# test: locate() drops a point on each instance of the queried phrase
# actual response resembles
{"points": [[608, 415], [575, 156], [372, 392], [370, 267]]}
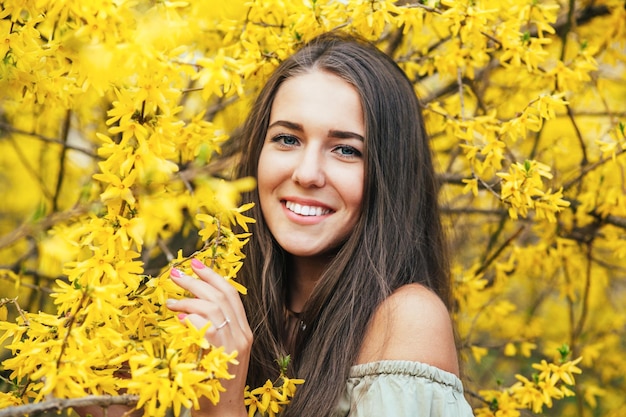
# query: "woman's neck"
{"points": [[304, 273]]}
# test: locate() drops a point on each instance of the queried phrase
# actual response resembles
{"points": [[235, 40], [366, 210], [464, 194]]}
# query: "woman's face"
{"points": [[311, 167]]}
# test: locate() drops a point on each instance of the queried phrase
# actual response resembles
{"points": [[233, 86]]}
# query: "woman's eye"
{"points": [[286, 140], [347, 151]]}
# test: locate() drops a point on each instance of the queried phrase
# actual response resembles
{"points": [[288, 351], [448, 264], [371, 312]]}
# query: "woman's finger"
{"points": [[217, 281], [213, 278], [223, 331], [231, 306], [219, 315], [211, 303], [203, 308], [218, 333], [199, 288]]}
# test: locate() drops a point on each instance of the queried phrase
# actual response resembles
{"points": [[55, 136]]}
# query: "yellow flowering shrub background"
{"points": [[113, 116]]}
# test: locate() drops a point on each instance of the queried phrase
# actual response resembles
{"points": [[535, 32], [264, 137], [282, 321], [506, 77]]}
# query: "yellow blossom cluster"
{"points": [[111, 331], [114, 120], [549, 384], [522, 187], [269, 399]]}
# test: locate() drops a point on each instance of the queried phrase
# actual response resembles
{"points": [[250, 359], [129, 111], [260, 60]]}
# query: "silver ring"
{"points": [[223, 324]]}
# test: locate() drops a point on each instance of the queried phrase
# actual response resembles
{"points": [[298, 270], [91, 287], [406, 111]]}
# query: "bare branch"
{"points": [[29, 229], [423, 6], [11, 129], [472, 210], [32, 171], [28, 272], [497, 253], [590, 167], [567, 26], [61, 174], [60, 404], [579, 136], [21, 312], [163, 246]]}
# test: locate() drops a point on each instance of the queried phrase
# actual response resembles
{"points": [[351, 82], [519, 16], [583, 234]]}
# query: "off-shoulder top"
{"points": [[396, 388]]}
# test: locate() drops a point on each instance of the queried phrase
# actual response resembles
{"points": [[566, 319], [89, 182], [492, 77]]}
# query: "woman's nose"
{"points": [[309, 169]]}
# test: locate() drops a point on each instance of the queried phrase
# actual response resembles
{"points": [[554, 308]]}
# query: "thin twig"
{"points": [[24, 160], [69, 324], [221, 104], [459, 80], [423, 6], [578, 329], [473, 210], [21, 312], [458, 180], [588, 168], [497, 253], [579, 135], [32, 286], [10, 129], [30, 229], [567, 27], [163, 246], [490, 37], [61, 175], [218, 238]]}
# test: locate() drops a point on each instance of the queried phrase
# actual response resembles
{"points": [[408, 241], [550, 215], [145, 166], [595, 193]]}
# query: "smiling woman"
{"points": [[347, 268]]}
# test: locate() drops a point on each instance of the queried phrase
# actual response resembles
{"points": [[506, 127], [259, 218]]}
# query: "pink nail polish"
{"points": [[181, 316], [175, 273], [197, 264]]}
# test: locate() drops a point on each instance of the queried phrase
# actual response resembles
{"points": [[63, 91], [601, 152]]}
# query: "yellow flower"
{"points": [[565, 372], [289, 386], [117, 188], [528, 394], [253, 403], [270, 397]]}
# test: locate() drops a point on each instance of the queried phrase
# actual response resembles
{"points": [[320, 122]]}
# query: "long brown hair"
{"points": [[398, 238]]}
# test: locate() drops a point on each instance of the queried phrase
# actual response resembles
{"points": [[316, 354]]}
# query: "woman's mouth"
{"points": [[304, 210]]}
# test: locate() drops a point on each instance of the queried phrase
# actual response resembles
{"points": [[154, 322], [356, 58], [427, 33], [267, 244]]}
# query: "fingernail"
{"points": [[170, 302], [197, 264], [181, 316], [176, 273]]}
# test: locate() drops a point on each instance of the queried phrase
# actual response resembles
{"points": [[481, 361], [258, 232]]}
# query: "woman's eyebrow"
{"points": [[342, 134], [288, 125]]}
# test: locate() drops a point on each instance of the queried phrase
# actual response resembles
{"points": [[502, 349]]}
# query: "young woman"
{"points": [[347, 268]]}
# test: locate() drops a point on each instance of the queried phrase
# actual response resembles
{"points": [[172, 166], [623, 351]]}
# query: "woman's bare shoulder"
{"points": [[411, 324]]}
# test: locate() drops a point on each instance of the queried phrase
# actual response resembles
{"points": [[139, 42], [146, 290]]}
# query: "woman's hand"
{"points": [[218, 302]]}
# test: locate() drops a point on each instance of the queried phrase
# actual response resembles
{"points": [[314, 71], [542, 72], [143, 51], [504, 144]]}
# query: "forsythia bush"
{"points": [[113, 116]]}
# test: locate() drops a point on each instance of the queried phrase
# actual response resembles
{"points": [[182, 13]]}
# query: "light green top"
{"points": [[402, 389]]}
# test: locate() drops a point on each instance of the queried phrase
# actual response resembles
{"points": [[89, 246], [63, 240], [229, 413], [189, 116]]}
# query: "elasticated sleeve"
{"points": [[402, 389]]}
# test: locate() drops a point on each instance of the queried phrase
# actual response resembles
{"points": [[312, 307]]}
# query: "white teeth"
{"points": [[306, 210]]}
